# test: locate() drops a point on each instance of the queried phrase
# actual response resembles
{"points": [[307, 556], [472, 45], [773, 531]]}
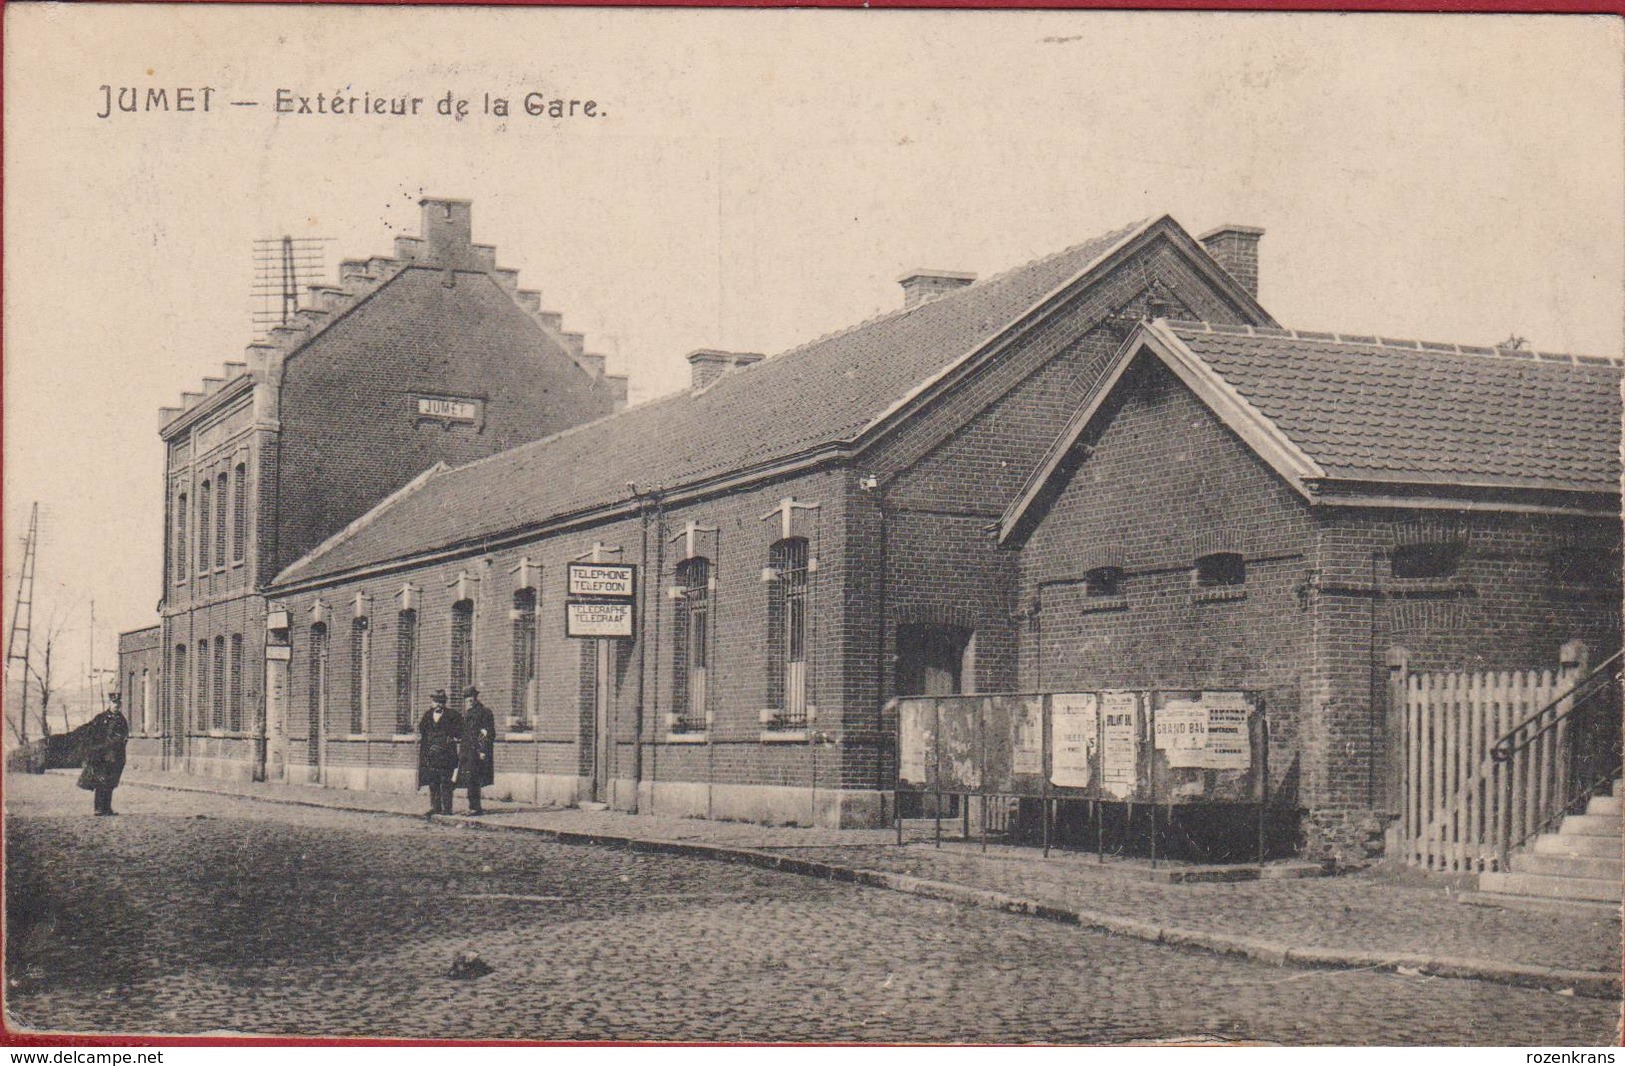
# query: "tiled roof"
{"points": [[820, 393], [1375, 409]]}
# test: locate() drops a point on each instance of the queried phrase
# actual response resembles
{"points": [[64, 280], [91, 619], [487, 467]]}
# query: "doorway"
{"points": [[935, 660]]}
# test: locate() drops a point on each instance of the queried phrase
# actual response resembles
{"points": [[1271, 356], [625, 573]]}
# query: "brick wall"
{"points": [[350, 431], [1164, 482]]}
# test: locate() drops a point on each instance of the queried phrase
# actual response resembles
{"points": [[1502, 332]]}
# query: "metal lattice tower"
{"points": [[282, 267], [22, 614]]}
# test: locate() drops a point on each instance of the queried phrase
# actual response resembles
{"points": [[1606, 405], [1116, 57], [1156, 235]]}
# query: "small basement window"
{"points": [[1221, 570], [1103, 581], [1425, 560]]}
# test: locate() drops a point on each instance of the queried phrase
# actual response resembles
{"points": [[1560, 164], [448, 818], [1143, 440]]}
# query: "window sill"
{"points": [[517, 736], [1428, 586], [1096, 604], [688, 738], [1224, 594], [784, 736]]}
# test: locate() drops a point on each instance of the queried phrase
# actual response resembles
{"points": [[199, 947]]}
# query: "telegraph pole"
{"points": [[22, 616]]}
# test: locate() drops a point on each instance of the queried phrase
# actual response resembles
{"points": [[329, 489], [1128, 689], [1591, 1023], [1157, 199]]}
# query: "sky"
{"points": [[751, 180]]}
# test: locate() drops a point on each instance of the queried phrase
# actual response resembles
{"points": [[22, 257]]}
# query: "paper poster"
{"points": [[1181, 733], [1027, 753], [916, 720], [1120, 749], [1074, 727], [1227, 741]]}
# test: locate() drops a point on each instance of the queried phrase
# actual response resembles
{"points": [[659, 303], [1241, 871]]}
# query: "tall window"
{"points": [[203, 494], [787, 632], [462, 647], [360, 673], [178, 689], [201, 708], [217, 717], [239, 514], [524, 657], [181, 556], [318, 680], [691, 648], [406, 669], [220, 522], [235, 723], [132, 711]]}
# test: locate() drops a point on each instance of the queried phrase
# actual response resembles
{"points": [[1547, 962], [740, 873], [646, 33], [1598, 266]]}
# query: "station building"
{"points": [[1109, 467], [432, 356]]}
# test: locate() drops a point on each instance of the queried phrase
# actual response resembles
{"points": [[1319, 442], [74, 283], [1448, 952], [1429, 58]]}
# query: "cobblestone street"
{"points": [[193, 913]]}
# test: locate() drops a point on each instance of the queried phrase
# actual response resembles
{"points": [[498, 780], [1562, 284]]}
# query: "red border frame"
{"points": [[11, 1038]]}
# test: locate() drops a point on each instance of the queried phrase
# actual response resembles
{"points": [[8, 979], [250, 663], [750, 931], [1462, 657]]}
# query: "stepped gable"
{"points": [[444, 245], [821, 393], [1375, 409]]}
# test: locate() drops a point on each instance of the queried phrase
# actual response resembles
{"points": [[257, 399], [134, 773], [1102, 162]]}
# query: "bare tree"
{"points": [[55, 625]]}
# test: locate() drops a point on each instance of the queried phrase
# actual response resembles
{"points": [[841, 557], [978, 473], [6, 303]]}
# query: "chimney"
{"points": [[448, 232], [709, 364], [1236, 249], [922, 285]]}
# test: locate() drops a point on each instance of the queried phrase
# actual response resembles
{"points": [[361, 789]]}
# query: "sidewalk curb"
{"points": [[1595, 984]]}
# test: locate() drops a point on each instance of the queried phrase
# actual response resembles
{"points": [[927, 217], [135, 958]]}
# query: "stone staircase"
{"points": [[1578, 864]]}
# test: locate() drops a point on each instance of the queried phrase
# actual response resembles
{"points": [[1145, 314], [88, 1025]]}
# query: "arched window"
{"points": [[692, 645], [360, 671], [406, 669], [220, 521], [217, 717], [203, 518], [1103, 581], [235, 722], [524, 658], [787, 632], [318, 680], [462, 648], [181, 556], [239, 514]]}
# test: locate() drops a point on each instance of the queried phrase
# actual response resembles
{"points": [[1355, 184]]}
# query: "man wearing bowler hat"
{"points": [[439, 730], [475, 768]]}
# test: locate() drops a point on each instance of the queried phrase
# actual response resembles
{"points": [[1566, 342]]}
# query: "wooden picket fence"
{"points": [[1459, 803]]}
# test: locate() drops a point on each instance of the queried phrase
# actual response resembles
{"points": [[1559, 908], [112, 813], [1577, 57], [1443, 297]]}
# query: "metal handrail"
{"points": [[1509, 743]]}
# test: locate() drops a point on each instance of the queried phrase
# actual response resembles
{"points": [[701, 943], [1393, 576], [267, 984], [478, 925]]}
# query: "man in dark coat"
{"points": [[439, 730], [475, 766], [109, 732]]}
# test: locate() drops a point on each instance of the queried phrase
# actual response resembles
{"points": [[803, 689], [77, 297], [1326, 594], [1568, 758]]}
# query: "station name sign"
{"points": [[449, 409], [600, 600]]}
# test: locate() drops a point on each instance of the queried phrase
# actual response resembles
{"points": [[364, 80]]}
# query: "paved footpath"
{"points": [[200, 913], [1376, 920]]}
